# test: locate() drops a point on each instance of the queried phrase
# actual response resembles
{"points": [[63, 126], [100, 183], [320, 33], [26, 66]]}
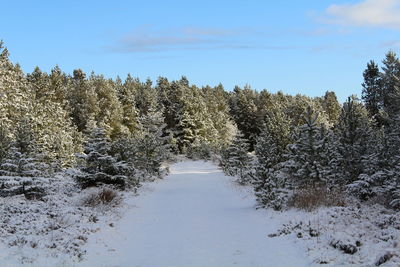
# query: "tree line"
{"points": [[119, 131]]}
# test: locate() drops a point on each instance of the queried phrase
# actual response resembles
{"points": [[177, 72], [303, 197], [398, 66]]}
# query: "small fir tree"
{"points": [[236, 161], [100, 167]]}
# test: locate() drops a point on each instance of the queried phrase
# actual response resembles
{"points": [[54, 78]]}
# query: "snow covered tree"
{"points": [[100, 167], [244, 111], [127, 99], [222, 128], [236, 161], [375, 162], [269, 185], [352, 135], [82, 101], [57, 137], [22, 165], [391, 84], [372, 90], [5, 142], [150, 147], [307, 157], [109, 113], [331, 107], [145, 96]]}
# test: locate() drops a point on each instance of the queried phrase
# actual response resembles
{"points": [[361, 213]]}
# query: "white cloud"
{"points": [[370, 13]]}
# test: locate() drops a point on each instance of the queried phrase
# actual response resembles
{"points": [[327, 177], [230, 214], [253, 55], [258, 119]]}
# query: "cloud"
{"points": [[367, 13], [150, 39]]}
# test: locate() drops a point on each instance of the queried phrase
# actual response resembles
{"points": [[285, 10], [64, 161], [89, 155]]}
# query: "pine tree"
{"points": [[146, 97], [391, 84], [127, 100], [372, 90], [236, 161], [82, 101], [307, 156], [150, 147], [222, 128], [375, 162], [100, 167], [331, 107], [352, 135], [5, 142], [109, 114], [269, 186], [24, 162], [243, 107]]}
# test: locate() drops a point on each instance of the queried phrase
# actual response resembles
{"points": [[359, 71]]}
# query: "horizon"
{"points": [[324, 46]]}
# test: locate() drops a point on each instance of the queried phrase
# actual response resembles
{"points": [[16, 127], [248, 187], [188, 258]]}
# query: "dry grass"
{"points": [[311, 198], [104, 196]]}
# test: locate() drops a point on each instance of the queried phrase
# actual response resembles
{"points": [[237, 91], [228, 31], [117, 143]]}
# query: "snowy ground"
{"points": [[51, 231], [357, 235], [196, 216]]}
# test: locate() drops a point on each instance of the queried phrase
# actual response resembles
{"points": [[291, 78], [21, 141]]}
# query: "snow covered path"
{"points": [[194, 217]]}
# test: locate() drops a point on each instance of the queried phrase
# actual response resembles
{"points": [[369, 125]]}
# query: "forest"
{"points": [[120, 131]]}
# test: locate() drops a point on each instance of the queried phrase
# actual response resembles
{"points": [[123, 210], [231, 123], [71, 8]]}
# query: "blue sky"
{"points": [[303, 47]]}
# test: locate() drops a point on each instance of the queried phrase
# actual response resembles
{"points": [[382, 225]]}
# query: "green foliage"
{"points": [[352, 133], [236, 161], [150, 148], [307, 160], [100, 166], [5, 142], [372, 89]]}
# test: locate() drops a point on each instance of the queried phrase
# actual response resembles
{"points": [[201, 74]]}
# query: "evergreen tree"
{"points": [[222, 128], [100, 167], [82, 101], [127, 100], [372, 89], [58, 85], [150, 148], [25, 162], [5, 142], [269, 186], [146, 97], [352, 135], [331, 107], [307, 159], [243, 107], [109, 113], [236, 161], [391, 84]]}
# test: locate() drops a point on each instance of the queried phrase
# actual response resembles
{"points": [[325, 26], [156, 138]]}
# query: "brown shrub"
{"points": [[103, 196], [311, 198], [107, 195]]}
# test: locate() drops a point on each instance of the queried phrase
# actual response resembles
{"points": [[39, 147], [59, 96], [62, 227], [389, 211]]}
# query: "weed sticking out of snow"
{"points": [[56, 225]]}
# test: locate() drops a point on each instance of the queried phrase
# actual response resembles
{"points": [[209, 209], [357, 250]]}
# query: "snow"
{"points": [[53, 230], [373, 230], [197, 216]]}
